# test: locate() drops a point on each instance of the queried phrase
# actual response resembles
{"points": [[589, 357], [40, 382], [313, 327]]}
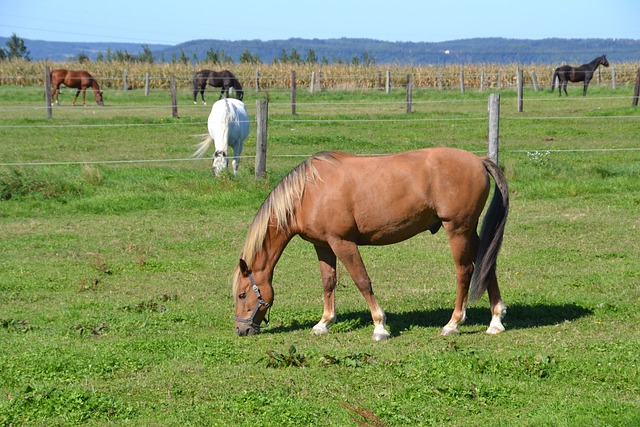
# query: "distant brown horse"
{"points": [[583, 73], [338, 201], [80, 80]]}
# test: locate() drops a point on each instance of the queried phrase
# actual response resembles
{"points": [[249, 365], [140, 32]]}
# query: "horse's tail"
{"points": [[203, 146], [491, 233], [225, 123], [553, 80]]}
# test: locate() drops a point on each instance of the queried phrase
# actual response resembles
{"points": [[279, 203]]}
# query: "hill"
{"points": [[478, 50]]}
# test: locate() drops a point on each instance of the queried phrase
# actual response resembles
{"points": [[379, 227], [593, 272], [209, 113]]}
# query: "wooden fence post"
{"points": [[257, 80], [636, 90], [319, 82], [534, 79], [613, 78], [387, 85], [439, 78], [409, 92], [47, 91], [174, 98], [379, 80], [125, 84], [461, 81], [262, 115], [293, 92], [146, 84], [494, 126], [481, 79], [520, 85], [313, 81]]}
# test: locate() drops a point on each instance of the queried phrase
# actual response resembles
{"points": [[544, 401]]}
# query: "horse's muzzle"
{"points": [[246, 329]]}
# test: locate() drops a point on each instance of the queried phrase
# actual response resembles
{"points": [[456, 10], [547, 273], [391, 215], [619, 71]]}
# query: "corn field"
{"points": [[112, 75]]}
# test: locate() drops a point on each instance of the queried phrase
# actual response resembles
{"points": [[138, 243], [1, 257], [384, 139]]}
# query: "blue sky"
{"points": [[391, 20]]}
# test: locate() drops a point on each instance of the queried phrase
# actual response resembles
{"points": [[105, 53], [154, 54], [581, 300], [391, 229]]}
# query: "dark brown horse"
{"points": [[223, 79], [583, 73], [338, 201], [80, 80]]}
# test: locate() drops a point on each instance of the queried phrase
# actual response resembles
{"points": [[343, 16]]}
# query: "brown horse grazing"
{"points": [[337, 201], [80, 80], [583, 73], [223, 79]]}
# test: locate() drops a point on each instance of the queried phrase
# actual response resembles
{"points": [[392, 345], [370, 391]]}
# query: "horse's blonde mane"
{"points": [[279, 207]]}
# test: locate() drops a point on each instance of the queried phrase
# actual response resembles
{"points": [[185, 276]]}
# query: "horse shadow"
{"points": [[519, 316]]}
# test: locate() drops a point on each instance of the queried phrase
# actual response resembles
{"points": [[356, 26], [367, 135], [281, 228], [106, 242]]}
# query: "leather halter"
{"points": [[260, 302]]}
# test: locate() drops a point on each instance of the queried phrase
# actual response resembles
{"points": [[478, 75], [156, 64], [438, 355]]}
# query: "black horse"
{"points": [[223, 79], [567, 73]]}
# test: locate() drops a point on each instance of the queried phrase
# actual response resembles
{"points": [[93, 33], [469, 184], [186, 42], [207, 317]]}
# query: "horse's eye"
{"points": [[242, 295]]}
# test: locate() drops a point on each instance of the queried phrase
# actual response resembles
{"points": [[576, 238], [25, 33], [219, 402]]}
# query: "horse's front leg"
{"points": [[75, 97], [54, 95], [235, 163], [349, 255], [329, 279], [586, 84]]}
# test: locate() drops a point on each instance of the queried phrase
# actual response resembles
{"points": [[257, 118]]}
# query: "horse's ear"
{"points": [[244, 268]]}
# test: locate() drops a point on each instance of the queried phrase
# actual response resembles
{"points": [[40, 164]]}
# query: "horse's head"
{"points": [[220, 162], [99, 97], [603, 60], [254, 296]]}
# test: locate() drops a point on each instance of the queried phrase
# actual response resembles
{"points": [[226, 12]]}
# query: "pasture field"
{"points": [[117, 251]]}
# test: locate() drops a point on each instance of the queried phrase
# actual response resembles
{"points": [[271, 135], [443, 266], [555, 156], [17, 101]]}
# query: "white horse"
{"points": [[228, 124]]}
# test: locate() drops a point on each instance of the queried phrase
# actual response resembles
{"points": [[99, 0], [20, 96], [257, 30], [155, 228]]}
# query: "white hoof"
{"points": [[495, 329], [319, 330], [449, 330], [380, 334]]}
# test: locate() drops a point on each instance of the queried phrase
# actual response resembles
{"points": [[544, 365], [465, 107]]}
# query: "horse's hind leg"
{"points": [[463, 249], [498, 309], [329, 279]]}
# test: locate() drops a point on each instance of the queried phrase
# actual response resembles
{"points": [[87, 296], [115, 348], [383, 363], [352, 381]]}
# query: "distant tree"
{"points": [[284, 58], [194, 58], [213, 56], [183, 57], [109, 56], [247, 58], [295, 58], [100, 57], [224, 58], [367, 59], [82, 58], [311, 57], [3, 54], [16, 48], [146, 55]]}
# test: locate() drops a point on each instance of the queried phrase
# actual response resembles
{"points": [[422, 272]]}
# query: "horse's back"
{"points": [[386, 199], [229, 115]]}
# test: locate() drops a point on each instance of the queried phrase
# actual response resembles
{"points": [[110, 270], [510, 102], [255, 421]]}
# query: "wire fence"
{"points": [[380, 108]]}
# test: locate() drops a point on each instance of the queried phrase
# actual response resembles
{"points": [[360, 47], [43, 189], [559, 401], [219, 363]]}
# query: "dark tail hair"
{"points": [[491, 233], [553, 80]]}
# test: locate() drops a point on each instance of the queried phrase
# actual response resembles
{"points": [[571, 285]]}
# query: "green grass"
{"points": [[116, 305]]}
